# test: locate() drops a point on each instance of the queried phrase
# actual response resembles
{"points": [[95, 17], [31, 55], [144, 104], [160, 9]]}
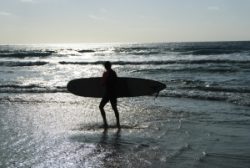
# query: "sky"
{"points": [[107, 21]]}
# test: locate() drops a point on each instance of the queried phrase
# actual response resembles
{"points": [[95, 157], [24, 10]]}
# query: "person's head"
{"points": [[107, 65]]}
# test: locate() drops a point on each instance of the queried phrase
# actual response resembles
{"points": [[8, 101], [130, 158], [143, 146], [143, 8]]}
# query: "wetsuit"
{"points": [[109, 81]]}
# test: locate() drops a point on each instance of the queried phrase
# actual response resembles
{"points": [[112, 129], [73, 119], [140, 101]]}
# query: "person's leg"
{"points": [[113, 102], [103, 102]]}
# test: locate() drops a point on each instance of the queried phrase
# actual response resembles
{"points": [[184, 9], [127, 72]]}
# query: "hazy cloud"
{"points": [[27, 0], [3, 13], [213, 8], [95, 17], [100, 15], [103, 10]]}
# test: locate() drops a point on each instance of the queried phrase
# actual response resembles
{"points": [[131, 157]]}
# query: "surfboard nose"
{"points": [[157, 87], [163, 86]]}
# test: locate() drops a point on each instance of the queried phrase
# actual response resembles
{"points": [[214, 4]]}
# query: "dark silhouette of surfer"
{"points": [[109, 83]]}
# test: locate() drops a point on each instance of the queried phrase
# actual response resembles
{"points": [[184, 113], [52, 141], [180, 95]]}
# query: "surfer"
{"points": [[109, 81]]}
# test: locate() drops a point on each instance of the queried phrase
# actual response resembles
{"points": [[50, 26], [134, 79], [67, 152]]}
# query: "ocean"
{"points": [[201, 119]]}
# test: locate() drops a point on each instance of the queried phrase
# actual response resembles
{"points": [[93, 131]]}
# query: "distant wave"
{"points": [[206, 48], [199, 49], [211, 52], [22, 63], [40, 63], [161, 62], [86, 51], [30, 89], [182, 51], [212, 48], [20, 86], [189, 70], [140, 50], [23, 54]]}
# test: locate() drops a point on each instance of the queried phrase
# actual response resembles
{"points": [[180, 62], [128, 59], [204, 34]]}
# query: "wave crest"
{"points": [[23, 54], [22, 63]]}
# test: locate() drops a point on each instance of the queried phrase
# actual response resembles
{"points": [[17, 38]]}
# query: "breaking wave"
{"points": [[23, 54], [206, 48], [218, 61], [22, 63], [30, 89]]}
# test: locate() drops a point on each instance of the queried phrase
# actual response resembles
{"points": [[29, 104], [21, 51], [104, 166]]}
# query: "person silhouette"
{"points": [[108, 81]]}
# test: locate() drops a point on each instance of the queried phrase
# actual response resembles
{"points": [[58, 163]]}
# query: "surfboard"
{"points": [[125, 87]]}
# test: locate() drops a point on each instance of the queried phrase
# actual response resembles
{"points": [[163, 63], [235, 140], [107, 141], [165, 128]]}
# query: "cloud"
{"points": [[213, 8], [100, 15], [3, 13], [103, 10], [28, 1], [95, 17]]}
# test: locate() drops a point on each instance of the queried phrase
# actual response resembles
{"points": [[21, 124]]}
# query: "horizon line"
{"points": [[72, 43]]}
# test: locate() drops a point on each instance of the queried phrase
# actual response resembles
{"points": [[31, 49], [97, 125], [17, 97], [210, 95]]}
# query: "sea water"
{"points": [[202, 118]]}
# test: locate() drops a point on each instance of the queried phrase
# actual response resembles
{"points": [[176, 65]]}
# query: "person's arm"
{"points": [[104, 78]]}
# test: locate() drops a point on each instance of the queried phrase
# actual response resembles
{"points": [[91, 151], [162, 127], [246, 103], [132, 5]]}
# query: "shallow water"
{"points": [[166, 132]]}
